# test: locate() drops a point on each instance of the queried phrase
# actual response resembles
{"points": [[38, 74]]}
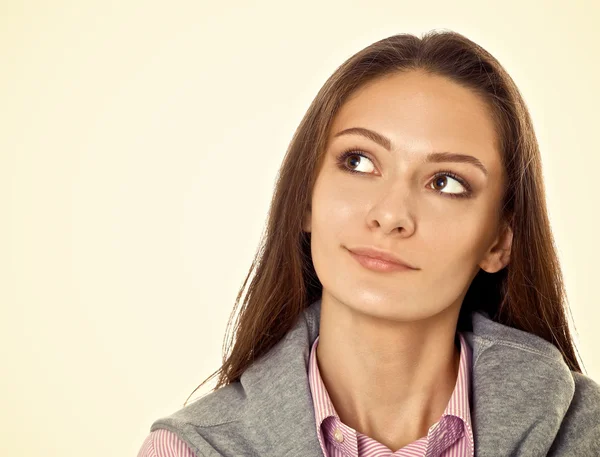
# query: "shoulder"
{"points": [[221, 406], [579, 433], [221, 423], [585, 403], [215, 419], [164, 443]]}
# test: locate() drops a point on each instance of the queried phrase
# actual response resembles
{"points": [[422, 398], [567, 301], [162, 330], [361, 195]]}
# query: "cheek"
{"points": [[450, 254], [335, 206], [458, 240]]}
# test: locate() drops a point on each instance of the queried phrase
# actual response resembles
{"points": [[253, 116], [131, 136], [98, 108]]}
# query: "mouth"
{"points": [[378, 264]]}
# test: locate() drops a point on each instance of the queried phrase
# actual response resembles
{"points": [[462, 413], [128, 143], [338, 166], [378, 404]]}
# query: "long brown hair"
{"points": [[528, 294]]}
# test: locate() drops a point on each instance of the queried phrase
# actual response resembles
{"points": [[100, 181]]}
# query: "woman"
{"points": [[408, 297]]}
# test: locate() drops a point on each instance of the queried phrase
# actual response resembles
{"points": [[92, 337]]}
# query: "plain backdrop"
{"points": [[139, 144]]}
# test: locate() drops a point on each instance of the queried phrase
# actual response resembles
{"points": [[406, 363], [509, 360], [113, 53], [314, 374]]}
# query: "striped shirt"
{"points": [[451, 436]]}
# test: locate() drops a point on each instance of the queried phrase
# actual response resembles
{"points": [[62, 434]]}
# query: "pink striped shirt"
{"points": [[451, 436]]}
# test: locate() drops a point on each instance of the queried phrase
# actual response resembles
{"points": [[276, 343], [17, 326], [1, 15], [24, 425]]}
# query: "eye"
{"points": [[359, 159], [457, 184]]}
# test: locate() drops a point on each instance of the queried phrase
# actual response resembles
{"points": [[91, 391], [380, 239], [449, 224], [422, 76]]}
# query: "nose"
{"points": [[391, 212]]}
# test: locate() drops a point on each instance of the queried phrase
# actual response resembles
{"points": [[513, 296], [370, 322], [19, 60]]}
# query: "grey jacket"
{"points": [[524, 400]]}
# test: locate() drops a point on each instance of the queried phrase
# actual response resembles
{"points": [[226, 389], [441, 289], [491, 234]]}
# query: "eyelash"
{"points": [[341, 163]]}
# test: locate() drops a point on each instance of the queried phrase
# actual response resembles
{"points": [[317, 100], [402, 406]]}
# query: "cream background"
{"points": [[138, 150]]}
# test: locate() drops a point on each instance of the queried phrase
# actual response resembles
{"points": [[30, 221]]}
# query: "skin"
{"points": [[387, 352]]}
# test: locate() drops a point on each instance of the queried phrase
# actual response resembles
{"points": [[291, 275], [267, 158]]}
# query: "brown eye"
{"points": [[350, 160], [457, 187]]}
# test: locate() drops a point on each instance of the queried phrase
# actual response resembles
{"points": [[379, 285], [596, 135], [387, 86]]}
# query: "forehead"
{"points": [[421, 113]]}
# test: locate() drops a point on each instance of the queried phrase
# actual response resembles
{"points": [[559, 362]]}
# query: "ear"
{"points": [[498, 255], [306, 224]]}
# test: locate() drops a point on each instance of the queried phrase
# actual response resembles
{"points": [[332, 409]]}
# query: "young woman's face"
{"points": [[441, 217]]}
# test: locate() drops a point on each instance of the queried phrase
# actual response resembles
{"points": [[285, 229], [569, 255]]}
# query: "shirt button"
{"points": [[338, 435]]}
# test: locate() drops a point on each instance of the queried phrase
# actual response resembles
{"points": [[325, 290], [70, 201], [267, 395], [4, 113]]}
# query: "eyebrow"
{"points": [[432, 157]]}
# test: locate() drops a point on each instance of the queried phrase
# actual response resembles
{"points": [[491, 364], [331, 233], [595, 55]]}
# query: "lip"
{"points": [[379, 260]]}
